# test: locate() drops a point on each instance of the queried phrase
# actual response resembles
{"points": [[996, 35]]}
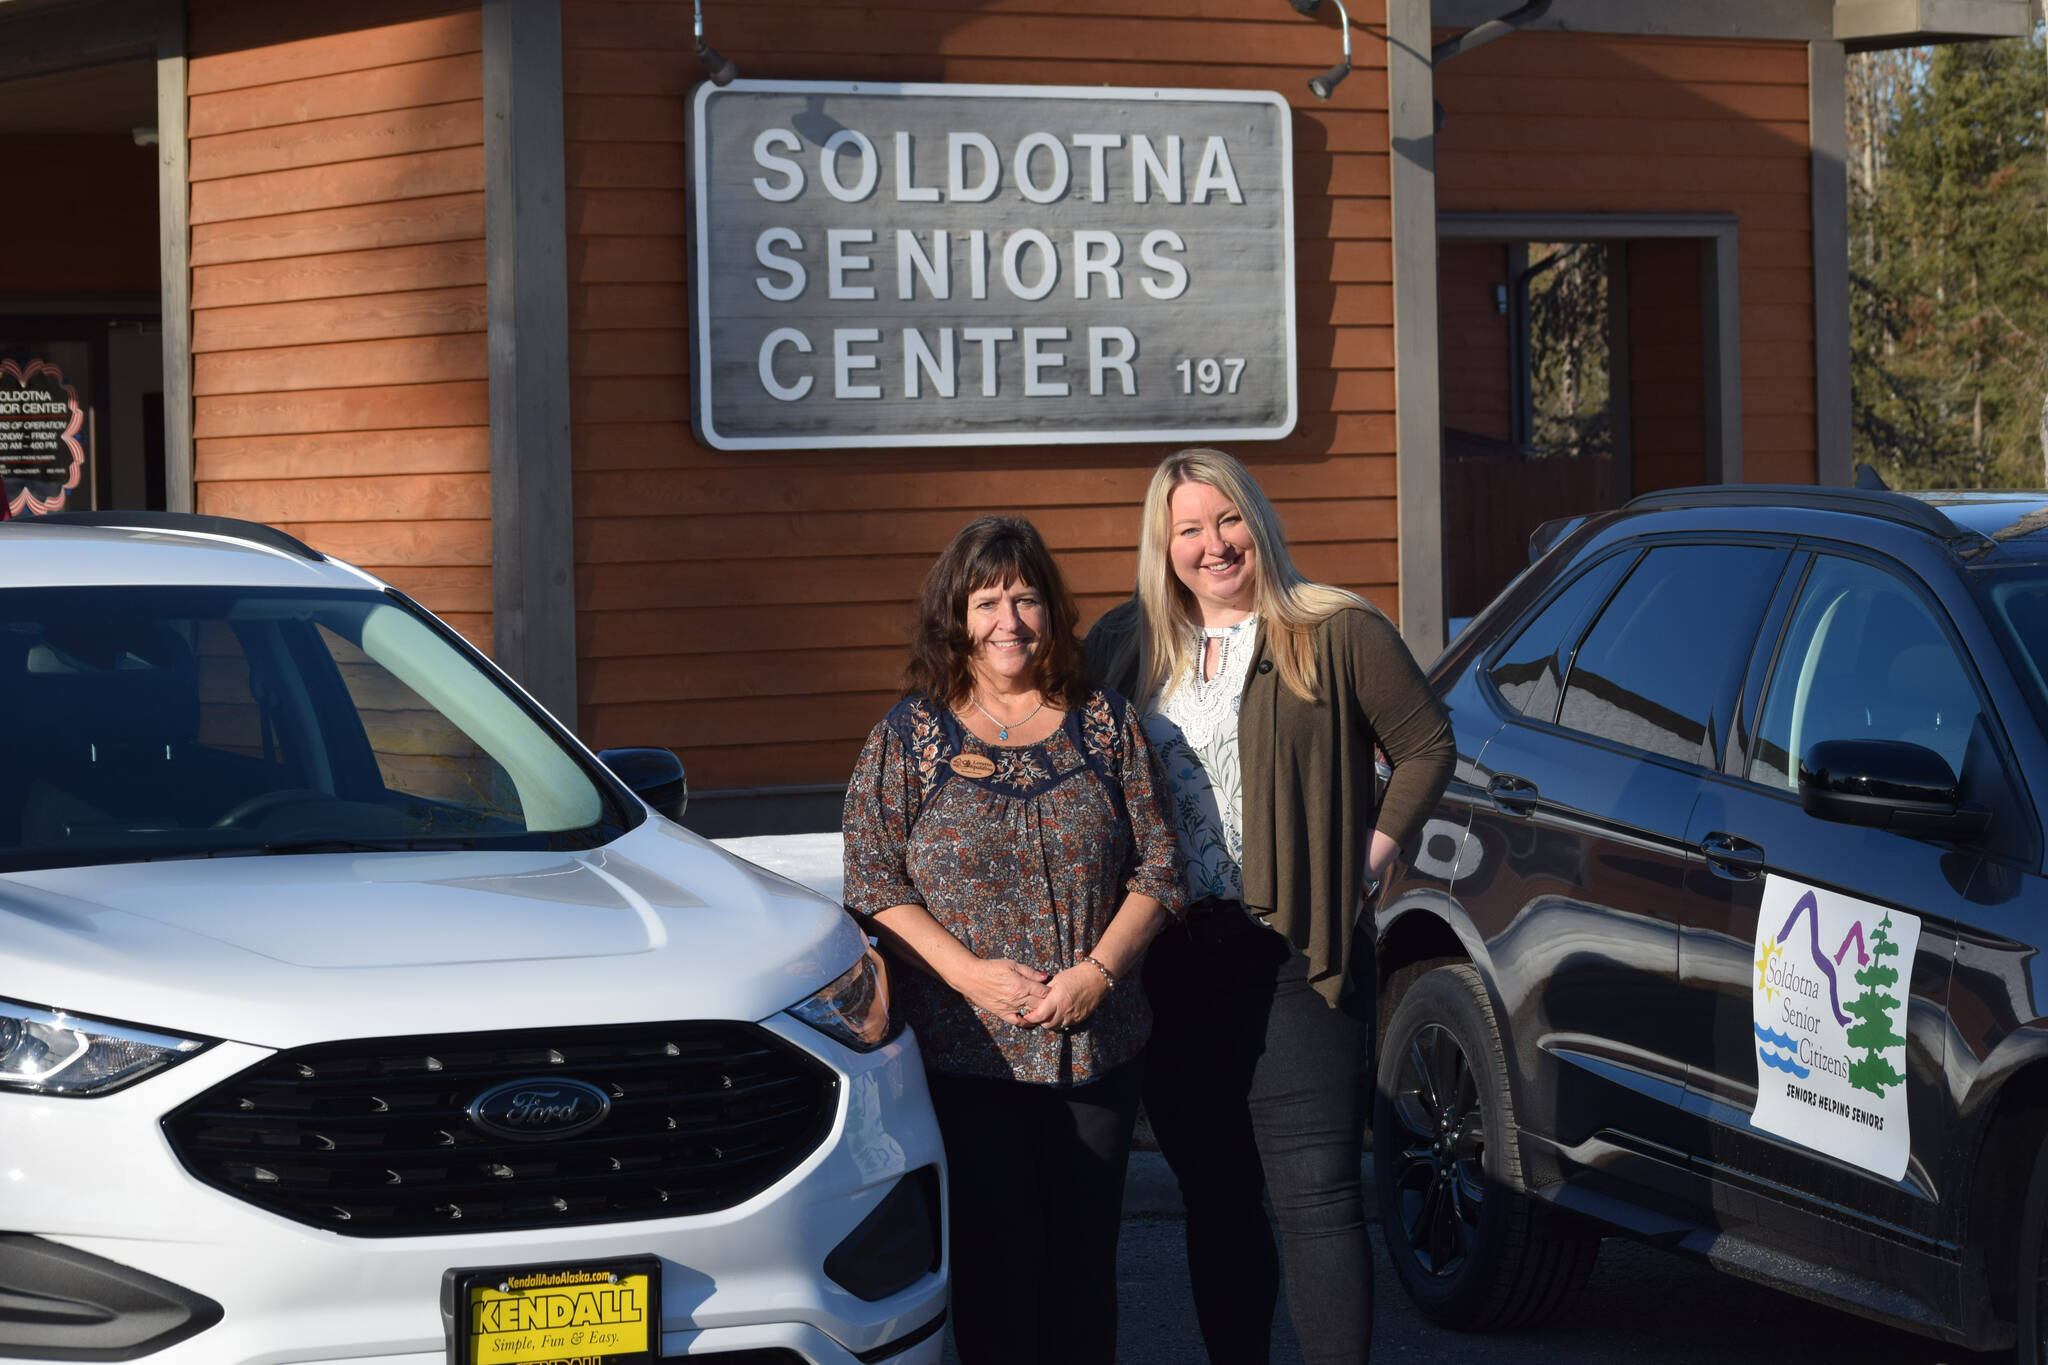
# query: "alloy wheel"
{"points": [[1440, 1157]]}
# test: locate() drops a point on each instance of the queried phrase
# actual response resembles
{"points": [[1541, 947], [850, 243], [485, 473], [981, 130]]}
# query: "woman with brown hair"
{"points": [[1266, 696], [1005, 841]]}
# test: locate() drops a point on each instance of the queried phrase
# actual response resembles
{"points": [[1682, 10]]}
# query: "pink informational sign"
{"points": [[42, 441]]}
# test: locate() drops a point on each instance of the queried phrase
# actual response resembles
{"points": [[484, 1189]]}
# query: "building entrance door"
{"points": [[1585, 359], [81, 347]]}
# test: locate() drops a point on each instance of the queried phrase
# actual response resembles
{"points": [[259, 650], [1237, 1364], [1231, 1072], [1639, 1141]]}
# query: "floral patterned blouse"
{"points": [[1194, 732], [1028, 863]]}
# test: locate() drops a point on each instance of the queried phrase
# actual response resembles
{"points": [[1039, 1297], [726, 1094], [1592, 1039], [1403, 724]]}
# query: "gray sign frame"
{"points": [[719, 357]]}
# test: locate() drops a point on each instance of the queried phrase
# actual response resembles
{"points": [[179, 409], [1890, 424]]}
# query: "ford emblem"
{"points": [[539, 1108]]}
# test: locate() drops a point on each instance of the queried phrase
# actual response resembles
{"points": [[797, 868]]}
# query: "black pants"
{"points": [[1036, 1186], [1254, 1082]]}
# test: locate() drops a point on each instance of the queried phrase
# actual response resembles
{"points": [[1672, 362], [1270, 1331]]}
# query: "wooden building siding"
{"points": [[1581, 123], [750, 609], [1667, 366], [338, 285], [1478, 392]]}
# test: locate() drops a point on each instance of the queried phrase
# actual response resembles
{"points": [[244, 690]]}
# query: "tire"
{"points": [[1471, 1248], [2031, 1270]]}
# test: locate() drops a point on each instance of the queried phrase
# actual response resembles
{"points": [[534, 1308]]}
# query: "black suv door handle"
{"points": [[1732, 856], [1512, 795]]}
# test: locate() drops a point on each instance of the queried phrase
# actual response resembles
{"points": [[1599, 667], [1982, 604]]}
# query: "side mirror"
{"points": [[1887, 784], [655, 776]]}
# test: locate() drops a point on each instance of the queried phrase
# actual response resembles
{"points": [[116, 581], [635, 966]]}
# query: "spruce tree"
{"points": [[1872, 1033], [1949, 258]]}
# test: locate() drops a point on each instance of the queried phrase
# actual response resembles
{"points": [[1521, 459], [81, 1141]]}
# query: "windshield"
{"points": [[2019, 602], [169, 722]]}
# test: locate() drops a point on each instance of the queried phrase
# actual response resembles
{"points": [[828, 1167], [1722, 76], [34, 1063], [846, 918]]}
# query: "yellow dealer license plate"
{"points": [[575, 1313]]}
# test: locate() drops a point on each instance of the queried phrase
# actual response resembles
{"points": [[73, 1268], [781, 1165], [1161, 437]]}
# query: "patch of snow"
{"points": [[815, 860]]}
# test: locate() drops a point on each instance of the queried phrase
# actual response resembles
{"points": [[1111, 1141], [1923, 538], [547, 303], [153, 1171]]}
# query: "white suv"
{"points": [[350, 1011]]}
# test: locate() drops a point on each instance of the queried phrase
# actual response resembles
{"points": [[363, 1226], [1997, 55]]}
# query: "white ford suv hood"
{"points": [[284, 951]]}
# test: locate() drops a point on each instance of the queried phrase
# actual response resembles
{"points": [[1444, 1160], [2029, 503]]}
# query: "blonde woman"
{"points": [[1265, 696]]}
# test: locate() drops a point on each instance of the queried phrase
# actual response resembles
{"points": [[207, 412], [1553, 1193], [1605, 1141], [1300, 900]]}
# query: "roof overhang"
{"points": [[1866, 25], [1803, 20], [38, 37], [1859, 24]]}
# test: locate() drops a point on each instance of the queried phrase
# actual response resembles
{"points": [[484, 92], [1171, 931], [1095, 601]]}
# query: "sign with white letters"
{"points": [[919, 265]]}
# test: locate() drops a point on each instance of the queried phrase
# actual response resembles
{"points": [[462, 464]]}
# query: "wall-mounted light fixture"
{"points": [[716, 63], [1485, 33], [1324, 85], [1480, 36]]}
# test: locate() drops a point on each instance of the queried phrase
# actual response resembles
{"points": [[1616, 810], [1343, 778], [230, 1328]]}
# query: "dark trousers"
{"points": [[1254, 1082], [1035, 1181]]}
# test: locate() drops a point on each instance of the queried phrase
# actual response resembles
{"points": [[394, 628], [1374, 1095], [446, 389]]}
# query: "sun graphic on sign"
{"points": [[1771, 950]]}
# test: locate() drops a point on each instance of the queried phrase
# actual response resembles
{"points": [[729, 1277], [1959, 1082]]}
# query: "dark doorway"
{"points": [[81, 347], [1580, 367]]}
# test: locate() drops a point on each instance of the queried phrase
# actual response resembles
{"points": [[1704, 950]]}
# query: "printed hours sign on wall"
{"points": [[45, 443], [921, 265]]}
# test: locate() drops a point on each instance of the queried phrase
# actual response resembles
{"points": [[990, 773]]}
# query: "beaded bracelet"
{"points": [[1107, 974]]}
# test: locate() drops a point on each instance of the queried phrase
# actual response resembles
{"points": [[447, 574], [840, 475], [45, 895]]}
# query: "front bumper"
{"points": [[98, 1175]]}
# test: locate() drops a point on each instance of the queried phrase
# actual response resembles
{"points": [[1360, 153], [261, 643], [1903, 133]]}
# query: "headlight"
{"points": [[48, 1052], [855, 1008]]}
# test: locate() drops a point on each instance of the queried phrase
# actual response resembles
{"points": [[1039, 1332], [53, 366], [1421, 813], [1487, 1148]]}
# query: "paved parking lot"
{"points": [[1641, 1306]]}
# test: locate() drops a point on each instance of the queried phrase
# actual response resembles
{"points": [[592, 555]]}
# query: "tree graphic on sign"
{"points": [[1872, 1033]]}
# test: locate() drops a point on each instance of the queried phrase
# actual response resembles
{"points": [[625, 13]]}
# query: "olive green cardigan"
{"points": [[1308, 780]]}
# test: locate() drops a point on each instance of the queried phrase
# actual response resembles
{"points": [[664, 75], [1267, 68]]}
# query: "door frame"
{"points": [[1720, 298]]}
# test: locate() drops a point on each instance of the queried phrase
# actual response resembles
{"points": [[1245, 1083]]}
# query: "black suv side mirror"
{"points": [[1887, 784], [655, 776]]}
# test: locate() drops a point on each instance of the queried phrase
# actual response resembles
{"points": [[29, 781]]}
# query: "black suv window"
{"points": [[1669, 648], [1526, 672], [1864, 658]]}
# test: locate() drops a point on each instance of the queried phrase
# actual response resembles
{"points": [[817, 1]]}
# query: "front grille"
{"points": [[372, 1138]]}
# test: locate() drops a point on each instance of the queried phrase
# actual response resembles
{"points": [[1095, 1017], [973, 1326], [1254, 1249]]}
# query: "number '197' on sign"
{"points": [[1210, 375]]}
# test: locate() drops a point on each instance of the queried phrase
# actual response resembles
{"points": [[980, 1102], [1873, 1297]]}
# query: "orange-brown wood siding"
{"points": [[1667, 366], [750, 609], [1580, 123], [1477, 395], [338, 342]]}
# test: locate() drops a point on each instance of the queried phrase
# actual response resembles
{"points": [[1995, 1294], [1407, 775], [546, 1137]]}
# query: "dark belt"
{"points": [[1213, 920]]}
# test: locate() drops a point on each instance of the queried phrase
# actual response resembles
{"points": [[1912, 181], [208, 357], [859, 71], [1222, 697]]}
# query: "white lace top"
{"points": [[1195, 734]]}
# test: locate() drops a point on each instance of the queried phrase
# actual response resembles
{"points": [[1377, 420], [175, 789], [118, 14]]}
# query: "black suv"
{"points": [[1726, 934]]}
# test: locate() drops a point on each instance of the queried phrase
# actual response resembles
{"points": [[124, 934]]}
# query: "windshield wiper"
{"points": [[331, 845], [179, 855]]}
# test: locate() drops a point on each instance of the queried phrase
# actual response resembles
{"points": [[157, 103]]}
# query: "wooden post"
{"points": [[533, 623]]}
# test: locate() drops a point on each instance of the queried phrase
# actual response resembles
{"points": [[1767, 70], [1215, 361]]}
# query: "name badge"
{"points": [[974, 765]]}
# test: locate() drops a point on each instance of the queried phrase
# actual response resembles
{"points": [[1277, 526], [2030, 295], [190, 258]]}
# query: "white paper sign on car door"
{"points": [[1833, 974]]}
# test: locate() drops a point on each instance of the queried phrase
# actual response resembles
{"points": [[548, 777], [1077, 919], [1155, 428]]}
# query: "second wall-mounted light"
{"points": [[719, 66], [1324, 85]]}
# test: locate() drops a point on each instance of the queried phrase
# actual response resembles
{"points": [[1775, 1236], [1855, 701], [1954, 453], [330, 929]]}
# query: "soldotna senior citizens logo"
{"points": [[1833, 975]]}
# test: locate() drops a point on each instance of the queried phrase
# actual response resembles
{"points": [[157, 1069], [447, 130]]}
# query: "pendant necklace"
{"points": [[1003, 730], [1223, 637], [1202, 684]]}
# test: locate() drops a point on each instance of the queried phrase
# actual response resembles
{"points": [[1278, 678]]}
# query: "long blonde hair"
{"points": [[1289, 606]]}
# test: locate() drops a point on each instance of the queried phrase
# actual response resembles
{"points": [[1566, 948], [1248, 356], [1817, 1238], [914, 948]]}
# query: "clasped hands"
{"points": [[1030, 998]]}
